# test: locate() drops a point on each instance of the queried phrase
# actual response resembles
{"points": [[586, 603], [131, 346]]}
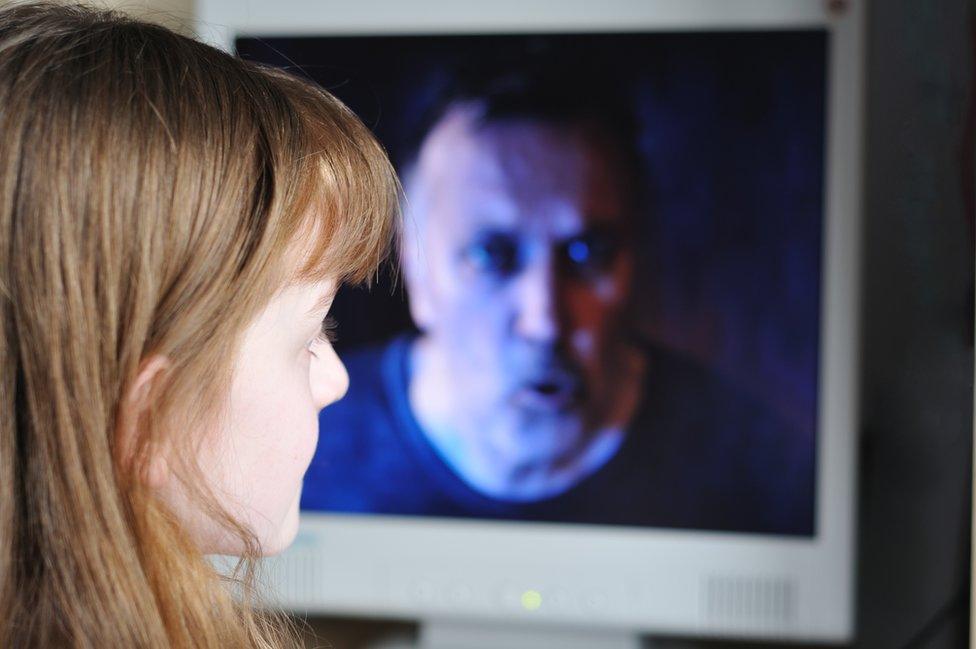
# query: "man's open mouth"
{"points": [[550, 393]]}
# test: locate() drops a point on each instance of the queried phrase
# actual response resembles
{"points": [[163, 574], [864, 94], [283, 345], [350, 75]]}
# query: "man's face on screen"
{"points": [[518, 273]]}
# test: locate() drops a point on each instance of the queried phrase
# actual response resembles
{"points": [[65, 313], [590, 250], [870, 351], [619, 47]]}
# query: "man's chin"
{"points": [[539, 446], [536, 424]]}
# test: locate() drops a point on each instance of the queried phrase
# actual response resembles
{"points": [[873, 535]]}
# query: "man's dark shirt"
{"points": [[698, 455]]}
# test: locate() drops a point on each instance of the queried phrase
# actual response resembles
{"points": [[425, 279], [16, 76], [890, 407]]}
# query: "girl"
{"points": [[174, 223]]}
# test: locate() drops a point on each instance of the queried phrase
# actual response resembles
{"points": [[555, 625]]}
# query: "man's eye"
{"points": [[589, 253], [494, 254]]}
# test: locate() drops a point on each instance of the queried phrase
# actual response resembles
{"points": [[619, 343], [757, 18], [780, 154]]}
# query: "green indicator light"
{"points": [[531, 600]]}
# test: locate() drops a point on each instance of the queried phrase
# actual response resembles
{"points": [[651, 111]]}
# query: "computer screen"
{"points": [[607, 319], [616, 242]]}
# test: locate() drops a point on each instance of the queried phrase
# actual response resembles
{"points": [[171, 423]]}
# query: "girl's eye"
{"points": [[327, 333]]}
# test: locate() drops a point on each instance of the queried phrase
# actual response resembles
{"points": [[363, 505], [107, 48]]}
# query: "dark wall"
{"points": [[918, 330], [917, 338]]}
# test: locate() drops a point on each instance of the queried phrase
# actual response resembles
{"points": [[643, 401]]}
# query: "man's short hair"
{"points": [[554, 87]]}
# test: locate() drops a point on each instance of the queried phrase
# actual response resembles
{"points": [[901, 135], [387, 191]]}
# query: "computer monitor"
{"points": [[619, 395]]}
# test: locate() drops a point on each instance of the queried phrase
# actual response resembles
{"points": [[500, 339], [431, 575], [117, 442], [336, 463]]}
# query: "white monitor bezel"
{"points": [[443, 568]]}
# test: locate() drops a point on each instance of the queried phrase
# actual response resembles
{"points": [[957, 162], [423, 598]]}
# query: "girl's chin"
{"points": [[285, 535]]}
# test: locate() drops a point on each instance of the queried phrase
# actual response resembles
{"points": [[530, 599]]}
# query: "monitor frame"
{"points": [[714, 583]]}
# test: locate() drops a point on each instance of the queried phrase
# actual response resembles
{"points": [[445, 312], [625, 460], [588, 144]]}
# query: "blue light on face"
{"points": [[579, 252]]}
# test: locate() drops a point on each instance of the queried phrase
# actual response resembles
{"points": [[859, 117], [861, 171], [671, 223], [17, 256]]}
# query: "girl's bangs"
{"points": [[349, 196]]}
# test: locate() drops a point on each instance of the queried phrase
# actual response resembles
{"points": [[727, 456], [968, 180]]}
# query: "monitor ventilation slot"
{"points": [[749, 602]]}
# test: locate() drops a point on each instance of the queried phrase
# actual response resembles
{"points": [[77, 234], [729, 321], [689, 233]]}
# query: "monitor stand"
{"points": [[444, 634]]}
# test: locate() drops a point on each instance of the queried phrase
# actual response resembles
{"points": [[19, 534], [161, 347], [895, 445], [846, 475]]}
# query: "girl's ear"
{"points": [[134, 408]]}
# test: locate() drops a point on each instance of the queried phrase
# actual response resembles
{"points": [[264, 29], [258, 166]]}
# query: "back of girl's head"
{"points": [[152, 193]]}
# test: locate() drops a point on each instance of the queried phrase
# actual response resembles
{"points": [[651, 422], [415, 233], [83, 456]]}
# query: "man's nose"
{"points": [[536, 294]]}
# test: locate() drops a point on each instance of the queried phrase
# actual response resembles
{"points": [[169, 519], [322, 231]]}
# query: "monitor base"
{"points": [[482, 635]]}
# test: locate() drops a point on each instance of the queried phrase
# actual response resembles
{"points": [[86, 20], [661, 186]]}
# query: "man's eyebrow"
{"points": [[494, 231]]}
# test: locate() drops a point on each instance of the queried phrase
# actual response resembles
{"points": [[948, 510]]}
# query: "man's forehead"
{"points": [[515, 174]]}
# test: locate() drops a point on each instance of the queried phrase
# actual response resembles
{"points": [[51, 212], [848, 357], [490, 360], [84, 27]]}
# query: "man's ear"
{"points": [[134, 408], [412, 256], [417, 292], [413, 263]]}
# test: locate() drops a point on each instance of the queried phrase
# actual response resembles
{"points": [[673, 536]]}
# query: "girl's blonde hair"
{"points": [[152, 193]]}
